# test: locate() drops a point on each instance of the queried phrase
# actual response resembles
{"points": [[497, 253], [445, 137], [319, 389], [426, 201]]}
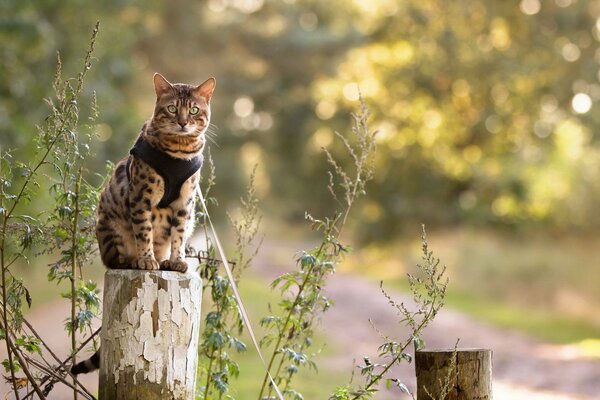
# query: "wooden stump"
{"points": [[462, 374], [149, 338]]}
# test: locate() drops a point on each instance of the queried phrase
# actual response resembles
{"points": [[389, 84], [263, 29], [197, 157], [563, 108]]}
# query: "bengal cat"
{"points": [[146, 211]]}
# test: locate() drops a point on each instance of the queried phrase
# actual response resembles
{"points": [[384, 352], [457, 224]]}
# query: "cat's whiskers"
{"points": [[211, 134], [213, 141], [212, 128]]}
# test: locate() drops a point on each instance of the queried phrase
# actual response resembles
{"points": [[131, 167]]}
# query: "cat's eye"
{"points": [[194, 110], [172, 109]]}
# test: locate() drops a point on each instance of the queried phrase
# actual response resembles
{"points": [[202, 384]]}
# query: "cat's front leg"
{"points": [[141, 217], [181, 228], [179, 222]]}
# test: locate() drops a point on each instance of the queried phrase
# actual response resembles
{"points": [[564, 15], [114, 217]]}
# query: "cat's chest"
{"points": [[166, 194], [162, 187]]}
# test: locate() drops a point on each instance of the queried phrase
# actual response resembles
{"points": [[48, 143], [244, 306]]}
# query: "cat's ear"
{"points": [[206, 88], [161, 85]]}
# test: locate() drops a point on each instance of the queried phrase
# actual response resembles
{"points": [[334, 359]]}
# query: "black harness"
{"points": [[173, 171]]}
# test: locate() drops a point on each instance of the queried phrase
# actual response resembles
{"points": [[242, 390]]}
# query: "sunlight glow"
{"points": [[581, 103], [472, 154], [323, 137], [500, 34], [571, 138], [245, 6], [570, 52], [265, 121], [461, 88], [493, 124], [433, 119], [530, 7], [351, 91], [325, 109], [103, 132], [243, 106]]}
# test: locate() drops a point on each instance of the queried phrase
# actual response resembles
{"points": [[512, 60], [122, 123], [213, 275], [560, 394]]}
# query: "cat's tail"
{"points": [[89, 365]]}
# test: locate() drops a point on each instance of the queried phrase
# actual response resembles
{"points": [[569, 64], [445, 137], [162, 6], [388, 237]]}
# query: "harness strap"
{"points": [[173, 171]]}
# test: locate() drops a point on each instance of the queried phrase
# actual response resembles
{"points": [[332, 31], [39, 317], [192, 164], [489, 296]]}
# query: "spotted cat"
{"points": [[146, 210]]}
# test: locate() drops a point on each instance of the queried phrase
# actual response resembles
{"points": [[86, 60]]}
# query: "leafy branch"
{"points": [[428, 289], [223, 323], [59, 160], [291, 333]]}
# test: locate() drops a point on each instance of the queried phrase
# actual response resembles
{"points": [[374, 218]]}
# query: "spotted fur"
{"points": [[132, 231]]}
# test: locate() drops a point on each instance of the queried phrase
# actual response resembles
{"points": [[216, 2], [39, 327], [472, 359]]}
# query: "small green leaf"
{"points": [[307, 260], [16, 367], [418, 343]]}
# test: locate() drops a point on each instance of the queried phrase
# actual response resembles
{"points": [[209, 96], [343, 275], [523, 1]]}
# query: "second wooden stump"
{"points": [[462, 374]]}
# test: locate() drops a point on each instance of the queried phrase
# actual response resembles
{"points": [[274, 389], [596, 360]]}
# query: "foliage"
{"points": [[428, 289], [483, 116], [223, 323], [66, 229], [486, 116], [31, 34], [290, 333]]}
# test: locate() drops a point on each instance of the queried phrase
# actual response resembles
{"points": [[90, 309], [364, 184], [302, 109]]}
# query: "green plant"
{"points": [[290, 332], [67, 230], [428, 289], [223, 322]]}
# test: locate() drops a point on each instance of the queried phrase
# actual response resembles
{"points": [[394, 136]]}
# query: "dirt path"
{"points": [[518, 360], [524, 368]]}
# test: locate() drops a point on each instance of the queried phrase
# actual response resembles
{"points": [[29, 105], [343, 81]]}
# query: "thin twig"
{"points": [[61, 379], [64, 363], [26, 371]]}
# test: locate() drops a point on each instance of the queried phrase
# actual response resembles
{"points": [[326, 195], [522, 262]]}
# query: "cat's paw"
{"points": [[177, 265], [147, 263]]}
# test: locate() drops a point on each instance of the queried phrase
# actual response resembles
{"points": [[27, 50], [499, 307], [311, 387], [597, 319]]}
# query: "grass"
{"points": [[545, 325], [538, 284]]}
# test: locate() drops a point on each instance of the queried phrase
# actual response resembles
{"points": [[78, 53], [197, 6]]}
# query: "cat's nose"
{"points": [[182, 123]]}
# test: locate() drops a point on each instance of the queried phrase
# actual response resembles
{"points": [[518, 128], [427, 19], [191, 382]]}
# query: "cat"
{"points": [[146, 210]]}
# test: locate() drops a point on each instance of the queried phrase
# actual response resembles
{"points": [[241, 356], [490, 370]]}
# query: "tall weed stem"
{"points": [[291, 334]]}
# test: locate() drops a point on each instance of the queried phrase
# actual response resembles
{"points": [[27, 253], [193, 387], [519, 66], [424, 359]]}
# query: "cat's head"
{"points": [[182, 109]]}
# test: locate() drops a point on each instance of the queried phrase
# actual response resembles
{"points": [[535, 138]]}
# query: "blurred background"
{"points": [[486, 112]]}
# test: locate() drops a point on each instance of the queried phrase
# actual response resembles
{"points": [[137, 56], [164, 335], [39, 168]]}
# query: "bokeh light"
{"points": [[581, 103]]}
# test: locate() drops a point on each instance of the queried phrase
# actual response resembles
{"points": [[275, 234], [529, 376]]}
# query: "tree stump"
{"points": [[462, 374], [149, 337]]}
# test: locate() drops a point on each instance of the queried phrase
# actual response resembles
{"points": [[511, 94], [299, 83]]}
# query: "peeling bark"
{"points": [[150, 330]]}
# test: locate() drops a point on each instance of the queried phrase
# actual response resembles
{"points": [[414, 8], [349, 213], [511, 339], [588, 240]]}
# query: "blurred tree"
{"points": [[31, 35], [485, 109]]}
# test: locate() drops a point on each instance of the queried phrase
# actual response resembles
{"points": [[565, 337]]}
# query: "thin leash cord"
{"points": [[236, 293]]}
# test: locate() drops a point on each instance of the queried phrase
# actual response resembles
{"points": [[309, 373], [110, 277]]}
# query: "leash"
{"points": [[238, 298]]}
